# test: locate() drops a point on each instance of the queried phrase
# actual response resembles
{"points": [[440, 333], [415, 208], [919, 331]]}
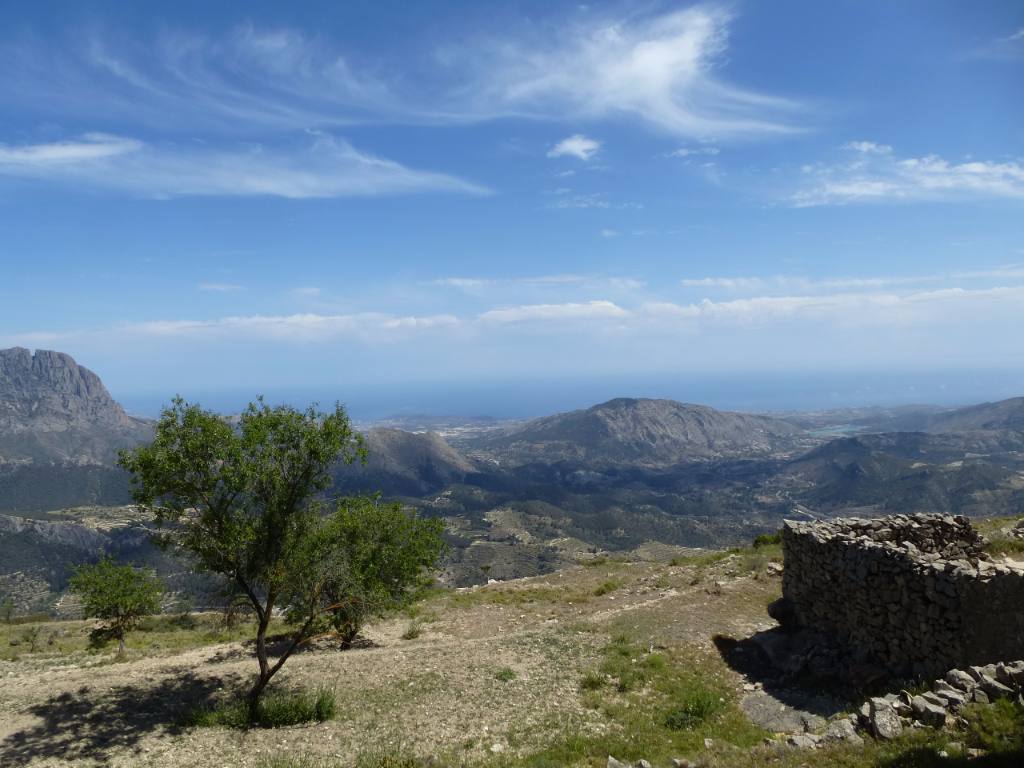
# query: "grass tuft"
{"points": [[699, 705], [414, 630], [277, 709], [608, 586], [505, 675]]}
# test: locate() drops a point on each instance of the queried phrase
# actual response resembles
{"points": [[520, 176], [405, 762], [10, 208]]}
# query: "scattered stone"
{"points": [[803, 740], [960, 679], [843, 730], [682, 762], [613, 763], [928, 712], [641, 763], [885, 723], [994, 689]]}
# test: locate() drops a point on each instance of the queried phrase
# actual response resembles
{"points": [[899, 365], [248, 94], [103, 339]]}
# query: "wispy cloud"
{"points": [[220, 287], [693, 152], [876, 174], [803, 284], [576, 145], [571, 311], [1005, 48], [327, 167], [660, 69]]}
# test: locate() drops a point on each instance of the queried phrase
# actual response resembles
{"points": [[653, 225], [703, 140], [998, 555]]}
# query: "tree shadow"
{"points": [[277, 644], [90, 725]]}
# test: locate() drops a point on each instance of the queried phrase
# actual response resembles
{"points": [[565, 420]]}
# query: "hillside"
{"points": [[404, 464], [1001, 415], [642, 432], [559, 670]]}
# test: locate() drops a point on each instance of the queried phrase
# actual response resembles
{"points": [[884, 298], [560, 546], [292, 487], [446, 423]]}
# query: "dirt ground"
{"points": [[438, 694]]}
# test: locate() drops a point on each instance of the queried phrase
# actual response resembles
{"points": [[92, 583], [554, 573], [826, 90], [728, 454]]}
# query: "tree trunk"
{"points": [[261, 655], [120, 646]]}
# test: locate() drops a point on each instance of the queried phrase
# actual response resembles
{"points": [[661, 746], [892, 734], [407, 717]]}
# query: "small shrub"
{"points": [[768, 539], [276, 710], [592, 681], [998, 727], [607, 586], [698, 706], [414, 630], [505, 675]]}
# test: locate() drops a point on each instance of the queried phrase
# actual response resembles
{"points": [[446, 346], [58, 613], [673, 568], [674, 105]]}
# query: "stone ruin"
{"points": [[914, 595]]}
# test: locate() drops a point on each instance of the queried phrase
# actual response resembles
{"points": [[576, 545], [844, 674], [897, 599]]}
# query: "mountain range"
{"points": [[524, 497]]}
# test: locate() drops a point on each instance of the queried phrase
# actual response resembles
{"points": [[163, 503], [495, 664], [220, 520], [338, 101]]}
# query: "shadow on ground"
{"points": [[91, 724], [277, 644], [782, 703]]}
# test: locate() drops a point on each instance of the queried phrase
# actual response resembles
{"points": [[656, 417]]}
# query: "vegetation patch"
{"points": [[276, 709], [608, 586]]}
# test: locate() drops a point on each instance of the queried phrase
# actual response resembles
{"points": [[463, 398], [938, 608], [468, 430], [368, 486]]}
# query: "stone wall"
{"points": [[913, 593]]}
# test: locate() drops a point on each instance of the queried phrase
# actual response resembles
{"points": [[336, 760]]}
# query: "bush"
{"points": [[276, 710], [698, 706], [607, 586], [414, 630], [768, 539]]}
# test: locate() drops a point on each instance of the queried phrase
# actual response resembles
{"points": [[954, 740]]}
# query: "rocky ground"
{"points": [[563, 669]]}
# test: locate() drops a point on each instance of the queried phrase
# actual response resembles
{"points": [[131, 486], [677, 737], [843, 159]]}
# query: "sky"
{"points": [[512, 208]]}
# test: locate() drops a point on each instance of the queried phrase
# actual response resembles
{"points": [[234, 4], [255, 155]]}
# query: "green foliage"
{"points": [[414, 630], [607, 586], [699, 704], [998, 727], [505, 675], [7, 610], [381, 556], [241, 502], [592, 681], [768, 539], [118, 594], [277, 709]]}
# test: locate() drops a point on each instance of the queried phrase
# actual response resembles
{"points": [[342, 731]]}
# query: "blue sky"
{"points": [[452, 206]]}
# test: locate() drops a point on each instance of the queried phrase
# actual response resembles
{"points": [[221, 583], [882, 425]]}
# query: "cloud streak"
{"points": [[659, 69], [326, 168], [875, 174]]}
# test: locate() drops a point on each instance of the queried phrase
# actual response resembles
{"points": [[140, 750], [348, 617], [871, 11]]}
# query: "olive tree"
{"points": [[240, 497], [119, 594]]}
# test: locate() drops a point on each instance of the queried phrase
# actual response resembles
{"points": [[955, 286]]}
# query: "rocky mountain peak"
{"points": [[53, 409]]}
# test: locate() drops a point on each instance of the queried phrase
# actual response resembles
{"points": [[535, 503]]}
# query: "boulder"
{"points": [[843, 730], [885, 723], [928, 712]]}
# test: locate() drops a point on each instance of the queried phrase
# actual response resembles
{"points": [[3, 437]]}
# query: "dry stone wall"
{"points": [[913, 593]]}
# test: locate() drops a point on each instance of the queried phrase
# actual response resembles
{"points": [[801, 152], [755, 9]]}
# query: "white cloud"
{"points": [[305, 292], [609, 233], [660, 69], [802, 284], [878, 175], [576, 145], [571, 311], [329, 167], [220, 287], [868, 147], [693, 152], [299, 327]]}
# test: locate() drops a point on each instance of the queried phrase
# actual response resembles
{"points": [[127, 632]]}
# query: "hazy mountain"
{"points": [[54, 411], [404, 463], [1001, 415], [641, 432]]}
